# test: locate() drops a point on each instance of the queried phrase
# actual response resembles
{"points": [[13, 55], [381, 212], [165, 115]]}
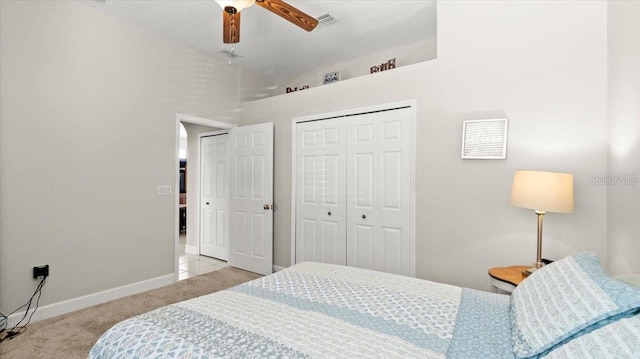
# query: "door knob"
{"points": [[329, 213], [266, 206], [364, 216], [207, 203]]}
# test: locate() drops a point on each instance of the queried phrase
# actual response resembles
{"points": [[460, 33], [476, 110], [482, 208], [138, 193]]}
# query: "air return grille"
{"points": [[325, 19]]}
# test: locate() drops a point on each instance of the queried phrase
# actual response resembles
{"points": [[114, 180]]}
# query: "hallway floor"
{"points": [[191, 265]]}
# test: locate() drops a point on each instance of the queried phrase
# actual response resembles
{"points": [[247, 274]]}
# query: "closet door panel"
{"points": [[363, 171], [392, 249], [332, 244], [321, 192], [361, 248], [378, 191], [391, 163]]}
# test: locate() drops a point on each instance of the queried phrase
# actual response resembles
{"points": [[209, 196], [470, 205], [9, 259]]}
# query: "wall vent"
{"points": [[325, 19]]}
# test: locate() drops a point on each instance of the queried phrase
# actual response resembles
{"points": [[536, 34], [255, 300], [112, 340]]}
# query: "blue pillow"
{"points": [[565, 299]]}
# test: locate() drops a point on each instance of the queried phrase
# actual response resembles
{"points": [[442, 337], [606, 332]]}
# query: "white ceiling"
{"points": [[273, 47]]}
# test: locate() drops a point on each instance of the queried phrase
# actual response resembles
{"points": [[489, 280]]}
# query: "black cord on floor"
{"points": [[3, 322], [19, 329]]}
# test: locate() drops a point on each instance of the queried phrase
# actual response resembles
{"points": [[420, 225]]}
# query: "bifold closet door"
{"points": [[320, 194], [378, 191]]}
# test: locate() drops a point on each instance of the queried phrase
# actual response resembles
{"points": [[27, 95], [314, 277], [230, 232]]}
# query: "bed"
{"points": [[568, 309]]}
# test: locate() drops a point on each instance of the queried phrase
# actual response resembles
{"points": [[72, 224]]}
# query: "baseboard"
{"points": [[277, 268], [71, 305], [191, 249]]}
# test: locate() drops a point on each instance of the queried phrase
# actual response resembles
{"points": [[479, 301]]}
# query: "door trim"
{"points": [[347, 113], [176, 183]]}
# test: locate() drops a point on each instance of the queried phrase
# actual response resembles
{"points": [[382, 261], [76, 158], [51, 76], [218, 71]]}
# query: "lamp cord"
{"points": [[19, 329]]}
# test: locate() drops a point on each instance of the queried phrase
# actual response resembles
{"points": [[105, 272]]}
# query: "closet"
{"points": [[353, 190]]}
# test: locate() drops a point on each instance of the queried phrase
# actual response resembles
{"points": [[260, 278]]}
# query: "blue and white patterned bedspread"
{"points": [[321, 311]]}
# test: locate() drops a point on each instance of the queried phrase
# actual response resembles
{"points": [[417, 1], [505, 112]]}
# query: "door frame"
{"points": [[176, 184], [354, 112]]}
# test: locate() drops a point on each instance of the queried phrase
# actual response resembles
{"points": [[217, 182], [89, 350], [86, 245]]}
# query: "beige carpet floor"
{"points": [[72, 335]]}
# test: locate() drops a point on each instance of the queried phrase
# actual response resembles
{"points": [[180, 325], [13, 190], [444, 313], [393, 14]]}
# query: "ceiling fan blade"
{"points": [[289, 13], [231, 27]]}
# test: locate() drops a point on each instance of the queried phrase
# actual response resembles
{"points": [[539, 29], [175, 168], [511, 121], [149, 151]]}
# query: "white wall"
{"points": [[623, 209], [87, 132], [544, 66]]}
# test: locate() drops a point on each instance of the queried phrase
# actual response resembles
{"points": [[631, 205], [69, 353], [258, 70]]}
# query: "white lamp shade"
{"points": [[542, 191], [238, 4]]}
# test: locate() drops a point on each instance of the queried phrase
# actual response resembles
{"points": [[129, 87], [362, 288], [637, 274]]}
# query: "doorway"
{"points": [[187, 261], [251, 192], [195, 173]]}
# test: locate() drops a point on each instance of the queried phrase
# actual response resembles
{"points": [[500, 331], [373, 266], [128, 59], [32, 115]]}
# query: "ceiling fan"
{"points": [[231, 16]]}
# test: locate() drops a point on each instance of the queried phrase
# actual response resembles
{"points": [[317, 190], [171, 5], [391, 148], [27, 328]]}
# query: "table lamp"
{"points": [[543, 192]]}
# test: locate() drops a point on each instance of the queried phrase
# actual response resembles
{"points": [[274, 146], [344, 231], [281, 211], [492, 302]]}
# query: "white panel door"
{"points": [[214, 196], [378, 191], [321, 191], [252, 198]]}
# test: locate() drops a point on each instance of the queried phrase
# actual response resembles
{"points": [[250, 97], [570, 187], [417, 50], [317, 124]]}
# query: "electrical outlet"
{"points": [[41, 271]]}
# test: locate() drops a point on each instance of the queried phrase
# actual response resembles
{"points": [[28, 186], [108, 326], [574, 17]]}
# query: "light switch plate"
{"points": [[164, 190]]}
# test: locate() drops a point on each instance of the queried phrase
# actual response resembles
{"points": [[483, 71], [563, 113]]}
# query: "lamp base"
{"points": [[535, 267]]}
